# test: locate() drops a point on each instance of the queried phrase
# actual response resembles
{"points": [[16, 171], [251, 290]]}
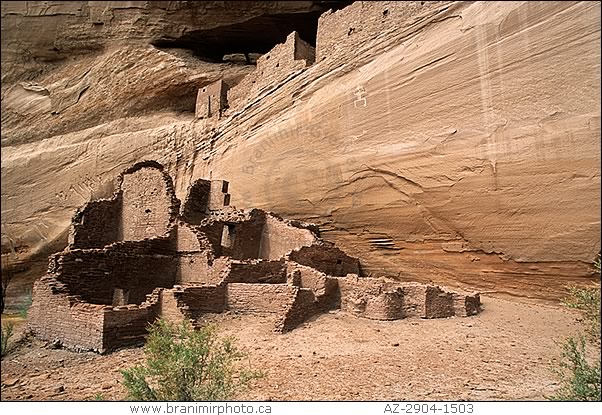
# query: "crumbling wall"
{"points": [[94, 274], [201, 300], [328, 259], [201, 268], [187, 239], [241, 239], [273, 68], [149, 206], [257, 271], [195, 205], [278, 238], [347, 30], [370, 298], [211, 100], [325, 288], [260, 298], [56, 316], [303, 307], [127, 325], [96, 224], [427, 301]]}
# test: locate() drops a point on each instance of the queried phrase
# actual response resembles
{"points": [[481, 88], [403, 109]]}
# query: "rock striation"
{"points": [[448, 142]]}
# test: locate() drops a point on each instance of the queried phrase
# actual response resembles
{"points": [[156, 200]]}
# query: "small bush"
{"points": [[579, 380], [184, 364], [580, 377], [6, 332]]}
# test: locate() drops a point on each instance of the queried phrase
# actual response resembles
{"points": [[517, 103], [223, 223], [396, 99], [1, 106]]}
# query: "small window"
{"points": [[228, 235], [121, 296]]}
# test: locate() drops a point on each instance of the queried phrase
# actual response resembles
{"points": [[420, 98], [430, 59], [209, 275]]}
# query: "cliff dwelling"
{"points": [[143, 255]]}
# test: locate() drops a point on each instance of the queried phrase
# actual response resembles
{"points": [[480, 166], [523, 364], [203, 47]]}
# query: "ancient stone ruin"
{"points": [[142, 255]]}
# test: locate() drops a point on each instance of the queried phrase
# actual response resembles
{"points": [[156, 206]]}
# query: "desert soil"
{"points": [[504, 353]]}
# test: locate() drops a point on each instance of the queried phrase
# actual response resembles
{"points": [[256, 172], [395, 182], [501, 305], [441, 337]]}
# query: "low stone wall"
{"points": [[260, 298], [303, 307], [327, 259], [370, 298], [257, 271], [56, 316]]}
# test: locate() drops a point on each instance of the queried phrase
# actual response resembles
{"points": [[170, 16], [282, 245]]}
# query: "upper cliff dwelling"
{"points": [[142, 255]]}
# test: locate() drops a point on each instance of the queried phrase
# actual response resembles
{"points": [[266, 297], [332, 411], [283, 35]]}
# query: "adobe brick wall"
{"points": [[257, 271], [54, 316], [195, 205], [278, 238], [370, 298], [187, 239], [260, 298], [197, 301], [466, 304], [325, 288], [96, 224], [272, 68], [345, 31], [127, 326], [168, 307], [328, 259], [211, 100], [94, 274], [149, 206], [303, 307]]}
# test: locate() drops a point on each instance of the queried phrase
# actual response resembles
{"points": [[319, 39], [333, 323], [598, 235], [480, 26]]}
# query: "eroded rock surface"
{"points": [[457, 143]]}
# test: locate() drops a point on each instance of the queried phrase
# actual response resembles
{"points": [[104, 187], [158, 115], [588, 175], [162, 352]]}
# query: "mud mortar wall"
{"points": [[97, 224], [52, 316], [350, 28], [329, 260], [260, 298], [95, 274], [147, 205], [278, 238]]}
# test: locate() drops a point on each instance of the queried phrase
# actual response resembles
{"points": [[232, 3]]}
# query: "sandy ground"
{"points": [[504, 353]]}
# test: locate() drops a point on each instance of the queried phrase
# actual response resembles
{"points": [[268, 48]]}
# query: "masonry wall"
{"points": [[257, 271], [303, 307], [95, 274], [244, 244], [201, 300], [260, 298], [187, 239], [347, 30], [199, 268], [325, 288], [272, 68], [127, 326], [96, 224], [147, 204], [197, 200], [211, 100], [278, 238], [370, 298], [330, 260], [54, 316]]}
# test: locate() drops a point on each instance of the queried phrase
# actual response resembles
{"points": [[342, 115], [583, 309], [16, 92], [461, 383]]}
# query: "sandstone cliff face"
{"points": [[459, 145]]}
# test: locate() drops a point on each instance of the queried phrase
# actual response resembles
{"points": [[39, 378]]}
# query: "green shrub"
{"points": [[580, 377], [6, 332], [184, 364], [579, 380]]}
